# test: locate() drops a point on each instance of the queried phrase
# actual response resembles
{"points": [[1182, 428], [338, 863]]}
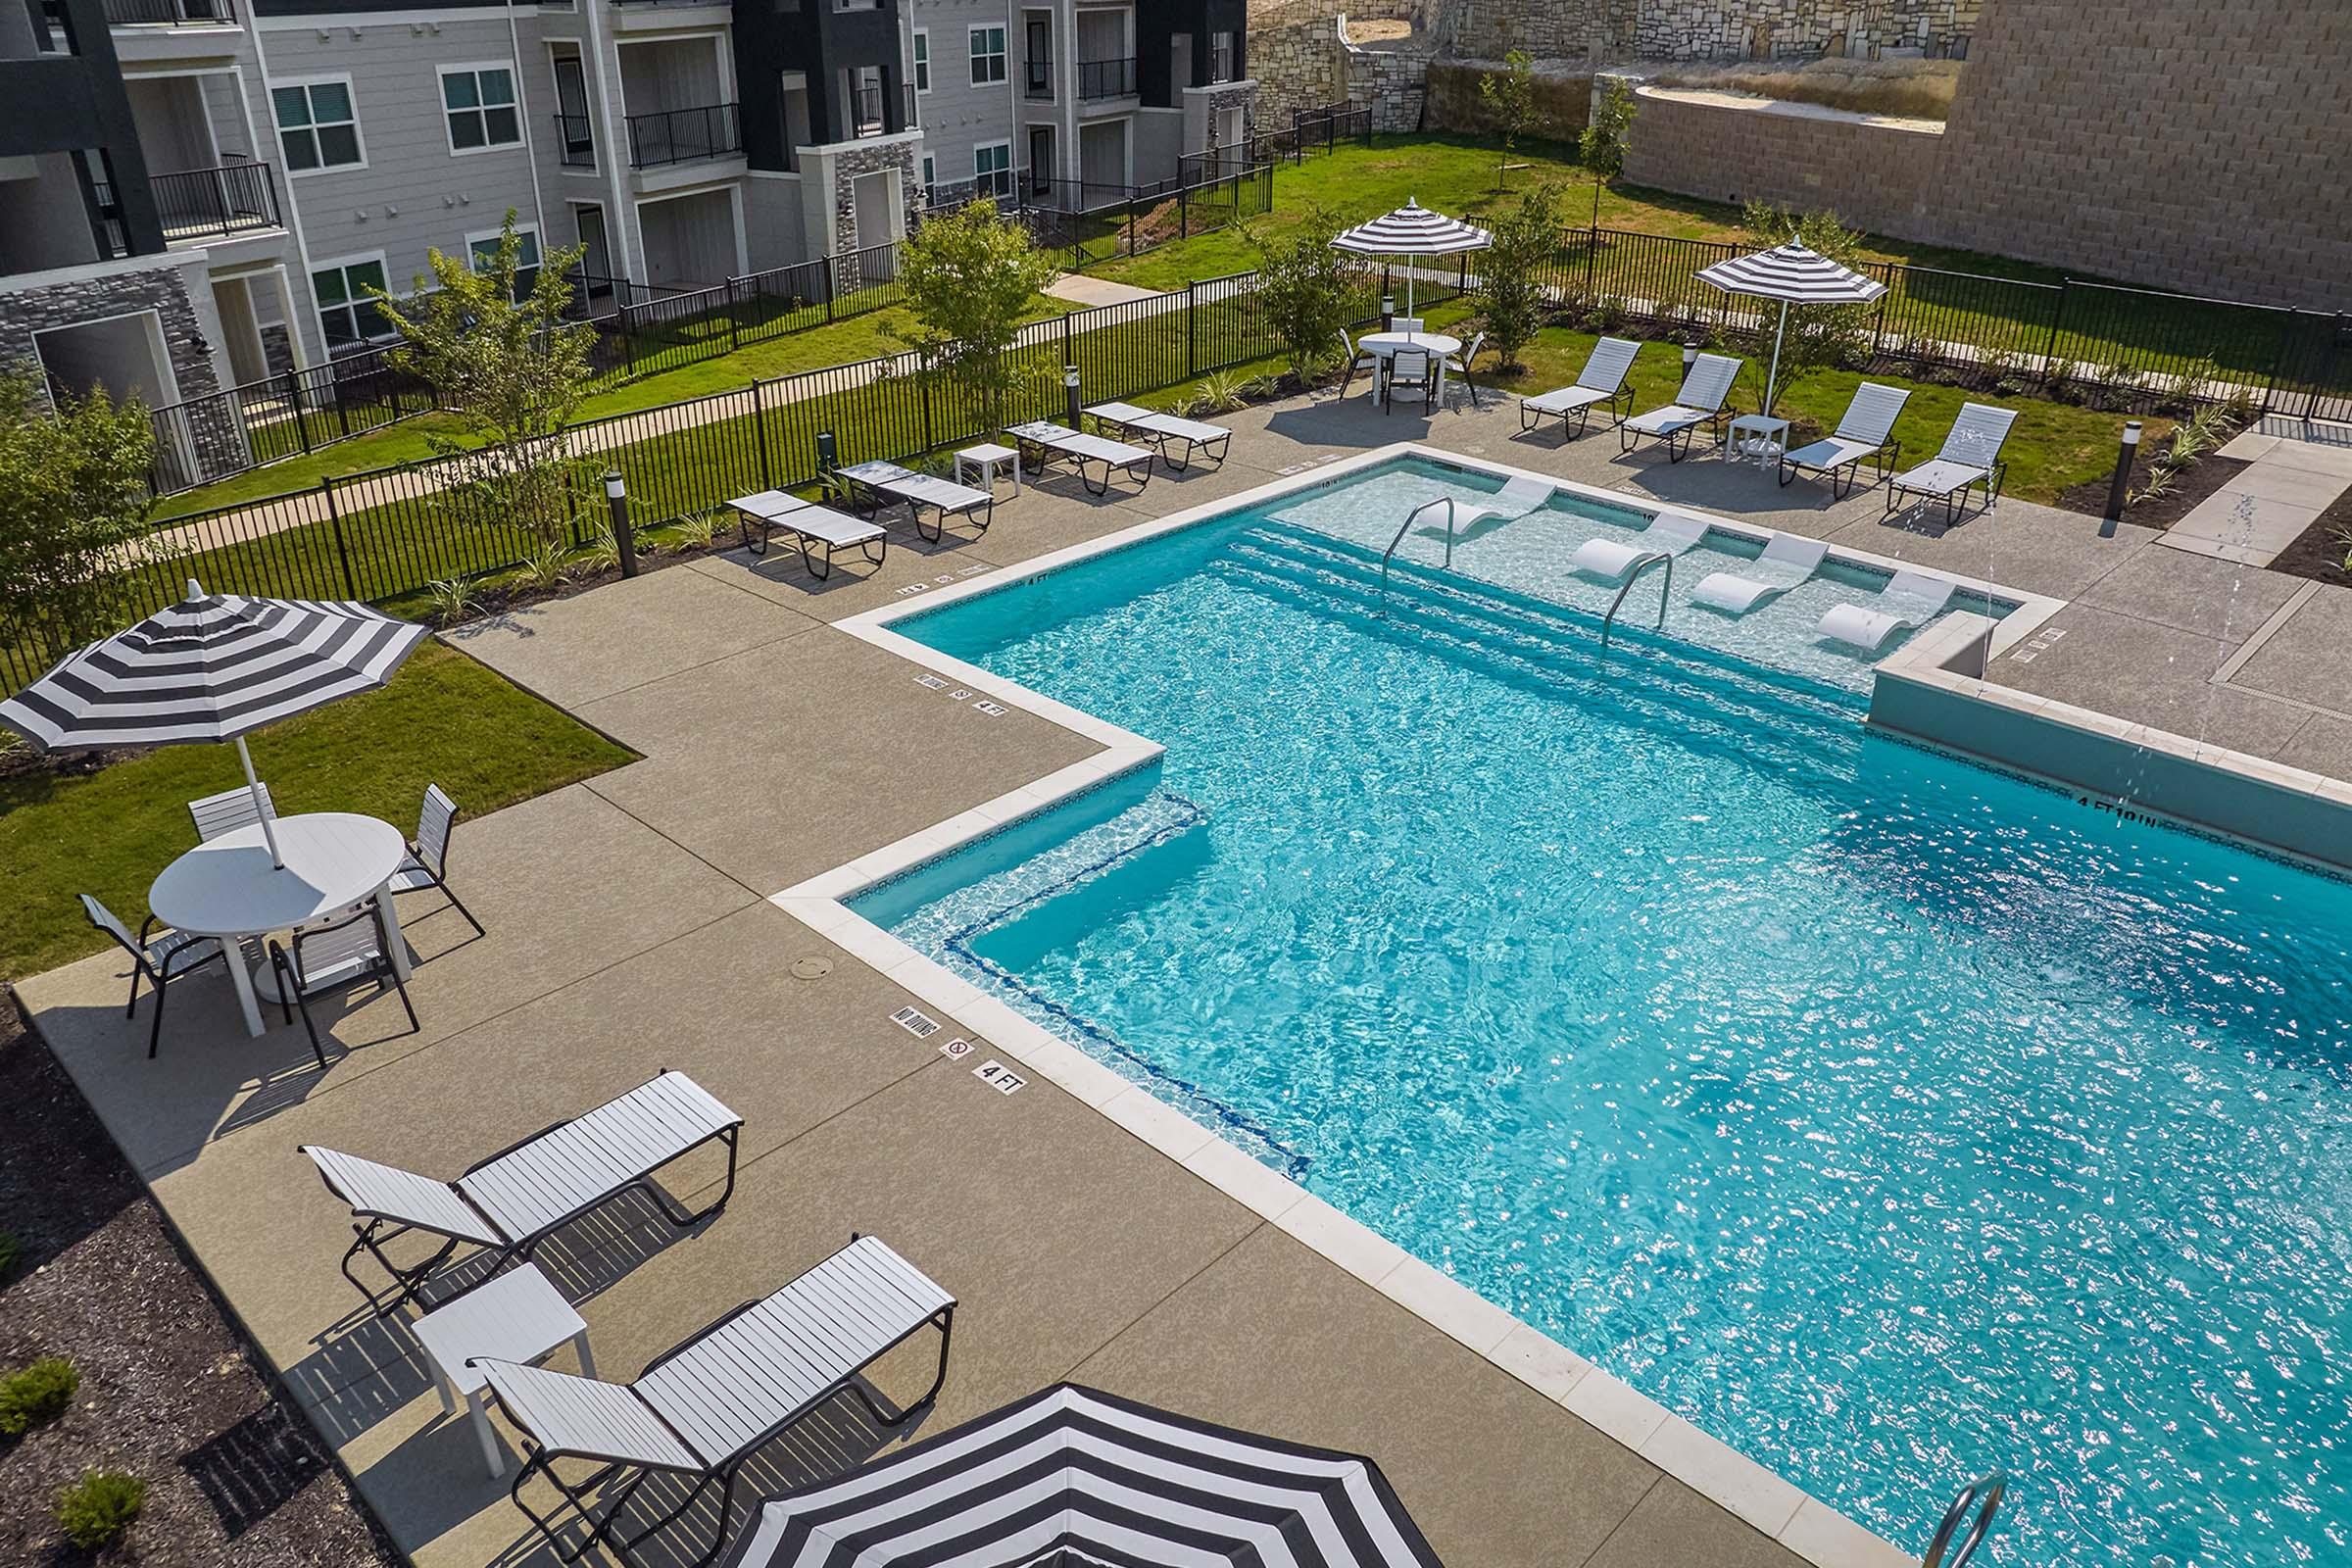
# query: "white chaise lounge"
{"points": [[1600, 381], [1611, 560], [777, 512], [871, 486], [1866, 434], [1699, 402], [704, 1408], [1163, 429], [1911, 599], [1788, 559], [507, 1204], [1971, 456], [1041, 443]]}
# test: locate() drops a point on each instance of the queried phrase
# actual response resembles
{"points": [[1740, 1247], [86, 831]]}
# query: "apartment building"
{"points": [[196, 194]]}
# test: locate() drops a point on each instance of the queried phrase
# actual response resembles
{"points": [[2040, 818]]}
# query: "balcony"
{"points": [[865, 110], [200, 204], [1105, 79], [684, 135], [575, 141], [171, 14], [1039, 80]]}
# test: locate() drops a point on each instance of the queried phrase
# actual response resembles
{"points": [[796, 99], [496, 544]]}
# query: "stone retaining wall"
{"points": [[1876, 174]]}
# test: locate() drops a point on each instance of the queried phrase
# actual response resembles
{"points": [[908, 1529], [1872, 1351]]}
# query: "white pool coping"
{"points": [[1803, 1524]]}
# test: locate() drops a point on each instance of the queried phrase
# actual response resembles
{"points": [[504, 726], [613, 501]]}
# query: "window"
{"points": [[315, 125], [991, 168], [479, 101], [922, 60], [988, 55], [1220, 57], [930, 178], [482, 250], [350, 319]]}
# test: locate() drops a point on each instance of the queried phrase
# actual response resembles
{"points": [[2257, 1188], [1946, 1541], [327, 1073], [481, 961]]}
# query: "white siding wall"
{"points": [[413, 194], [956, 115]]}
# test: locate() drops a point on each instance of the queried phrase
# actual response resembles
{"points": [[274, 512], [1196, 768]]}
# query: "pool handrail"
{"points": [[1983, 1494], [1641, 564]]}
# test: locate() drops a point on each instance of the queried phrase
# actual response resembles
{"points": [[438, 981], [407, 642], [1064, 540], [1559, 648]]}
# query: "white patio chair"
{"points": [[1458, 366], [1410, 367], [428, 863], [1600, 381], [161, 959], [1866, 434], [219, 814], [352, 951], [1971, 456], [1699, 402]]}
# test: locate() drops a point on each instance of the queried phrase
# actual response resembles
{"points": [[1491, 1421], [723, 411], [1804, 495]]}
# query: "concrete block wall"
{"points": [[1876, 174], [2169, 142]]}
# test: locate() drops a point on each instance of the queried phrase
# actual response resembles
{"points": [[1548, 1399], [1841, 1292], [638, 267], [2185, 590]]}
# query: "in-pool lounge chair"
{"points": [[1911, 599], [871, 486], [507, 1204], [1613, 560], [776, 511], [1971, 456], [704, 1407], [1163, 430], [1699, 402], [1788, 559], [1866, 434], [1600, 381], [1041, 443]]}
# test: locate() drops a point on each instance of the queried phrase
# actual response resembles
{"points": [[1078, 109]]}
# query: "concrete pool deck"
{"points": [[629, 931]]}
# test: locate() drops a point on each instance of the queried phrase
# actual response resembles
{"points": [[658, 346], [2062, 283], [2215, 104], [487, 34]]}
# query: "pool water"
{"points": [[1889, 1118]]}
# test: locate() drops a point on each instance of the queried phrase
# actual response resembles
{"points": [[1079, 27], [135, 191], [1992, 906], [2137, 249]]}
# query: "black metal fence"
{"points": [[1312, 131], [1087, 223], [683, 136], [301, 411], [231, 199]]}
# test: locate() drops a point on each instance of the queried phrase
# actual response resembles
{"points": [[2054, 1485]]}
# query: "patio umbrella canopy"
{"points": [[1075, 1476], [211, 668], [1794, 274], [1413, 230]]}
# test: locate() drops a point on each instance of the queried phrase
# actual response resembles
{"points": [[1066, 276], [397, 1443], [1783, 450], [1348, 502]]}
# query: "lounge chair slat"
{"points": [[567, 1414], [404, 1196]]}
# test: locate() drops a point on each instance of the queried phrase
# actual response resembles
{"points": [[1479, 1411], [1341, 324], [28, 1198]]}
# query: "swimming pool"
{"points": [[1889, 1118]]}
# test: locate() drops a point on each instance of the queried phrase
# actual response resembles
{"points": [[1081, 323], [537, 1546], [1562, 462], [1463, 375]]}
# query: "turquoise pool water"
{"points": [[1887, 1117]]}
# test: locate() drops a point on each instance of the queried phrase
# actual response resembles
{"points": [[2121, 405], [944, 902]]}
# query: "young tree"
{"points": [[1308, 290], [1511, 99], [970, 278], [1601, 145], [1510, 292], [489, 334], [1818, 336], [76, 512]]}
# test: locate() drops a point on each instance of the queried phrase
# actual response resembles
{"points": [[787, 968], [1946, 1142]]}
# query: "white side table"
{"points": [[986, 458], [516, 1317], [1767, 438]]}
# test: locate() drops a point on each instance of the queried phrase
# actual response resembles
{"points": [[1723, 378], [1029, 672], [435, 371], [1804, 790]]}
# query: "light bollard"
{"points": [[624, 543], [2119, 491]]}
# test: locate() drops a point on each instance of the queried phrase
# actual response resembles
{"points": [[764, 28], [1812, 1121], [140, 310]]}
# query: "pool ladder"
{"points": [[1981, 1496], [1641, 564], [1412, 518]]}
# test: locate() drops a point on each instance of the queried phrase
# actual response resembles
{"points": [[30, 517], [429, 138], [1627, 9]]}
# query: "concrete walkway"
{"points": [[2297, 471], [629, 931]]}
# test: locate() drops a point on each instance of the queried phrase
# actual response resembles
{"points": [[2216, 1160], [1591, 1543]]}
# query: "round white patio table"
{"points": [[227, 887], [1384, 346]]}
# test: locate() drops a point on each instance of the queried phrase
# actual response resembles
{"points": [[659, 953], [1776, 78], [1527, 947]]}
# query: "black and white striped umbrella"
{"points": [[1073, 1476], [1793, 273], [1413, 230], [211, 668]]}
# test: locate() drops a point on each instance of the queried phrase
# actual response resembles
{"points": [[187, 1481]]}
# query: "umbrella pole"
{"points": [[261, 806], [1773, 376]]}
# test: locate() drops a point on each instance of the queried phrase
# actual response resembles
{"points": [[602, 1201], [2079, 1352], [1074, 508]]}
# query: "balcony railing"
{"points": [[1107, 78], [683, 136], [865, 104], [575, 141], [204, 203], [171, 12], [1039, 82]]}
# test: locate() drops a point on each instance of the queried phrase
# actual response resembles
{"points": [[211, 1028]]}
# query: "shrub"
{"points": [[1510, 292], [1307, 291], [95, 1509], [453, 600], [36, 1394]]}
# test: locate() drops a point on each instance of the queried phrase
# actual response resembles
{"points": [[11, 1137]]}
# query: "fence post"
{"points": [[2318, 382], [734, 321], [302, 424], [1592, 257], [924, 380], [2049, 352], [1878, 323], [1184, 210], [1191, 349], [827, 273], [759, 432], [334, 518]]}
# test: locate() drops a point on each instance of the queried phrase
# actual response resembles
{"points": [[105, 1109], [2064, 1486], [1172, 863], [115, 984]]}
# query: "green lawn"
{"points": [[444, 719]]}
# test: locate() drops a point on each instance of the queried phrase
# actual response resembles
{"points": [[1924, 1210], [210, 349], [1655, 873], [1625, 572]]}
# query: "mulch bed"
{"points": [[2318, 551], [234, 1474], [2191, 485]]}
